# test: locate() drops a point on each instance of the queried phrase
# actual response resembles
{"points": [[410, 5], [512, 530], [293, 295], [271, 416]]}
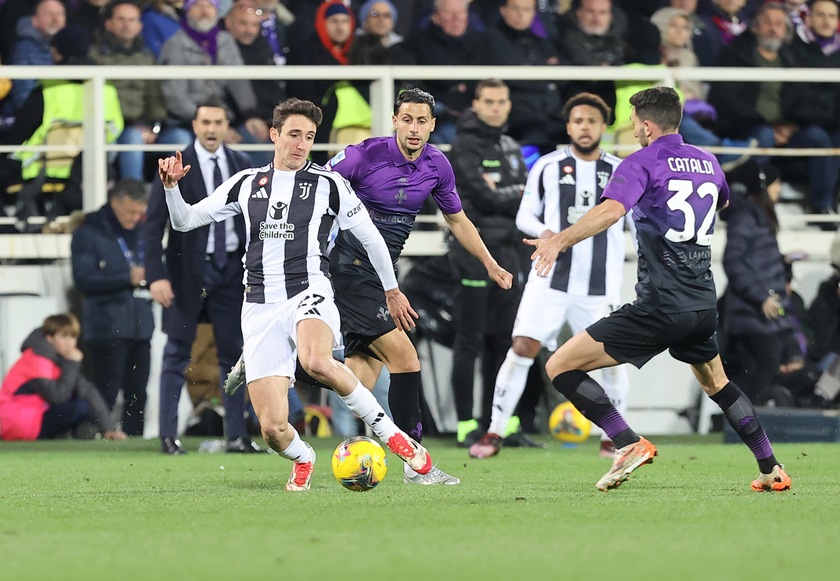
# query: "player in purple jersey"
{"points": [[674, 190], [393, 176]]}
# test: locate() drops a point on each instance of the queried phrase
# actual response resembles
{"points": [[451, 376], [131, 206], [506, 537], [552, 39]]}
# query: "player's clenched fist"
{"points": [[172, 169]]}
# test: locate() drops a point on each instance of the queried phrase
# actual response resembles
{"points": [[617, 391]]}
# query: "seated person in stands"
{"points": [[44, 393]]}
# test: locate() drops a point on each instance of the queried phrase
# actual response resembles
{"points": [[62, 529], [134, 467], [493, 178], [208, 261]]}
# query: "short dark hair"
{"points": [[294, 106], [65, 322], [587, 99], [109, 8], [129, 188], [488, 84], [414, 96], [659, 105], [213, 102]]}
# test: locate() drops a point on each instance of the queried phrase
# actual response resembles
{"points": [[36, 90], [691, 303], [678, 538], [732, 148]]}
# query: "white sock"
{"points": [[362, 403], [616, 384], [510, 383], [297, 451]]}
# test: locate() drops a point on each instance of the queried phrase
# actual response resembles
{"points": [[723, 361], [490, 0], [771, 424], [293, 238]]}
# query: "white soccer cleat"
{"points": [[236, 377], [432, 477]]}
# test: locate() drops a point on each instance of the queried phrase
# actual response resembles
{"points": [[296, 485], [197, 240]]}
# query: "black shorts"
{"points": [[361, 304], [630, 336]]}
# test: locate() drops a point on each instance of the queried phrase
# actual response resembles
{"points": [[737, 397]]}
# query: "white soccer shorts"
{"points": [[543, 311], [270, 330]]}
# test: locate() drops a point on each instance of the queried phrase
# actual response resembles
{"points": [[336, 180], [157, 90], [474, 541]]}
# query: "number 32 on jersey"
{"points": [[679, 203]]}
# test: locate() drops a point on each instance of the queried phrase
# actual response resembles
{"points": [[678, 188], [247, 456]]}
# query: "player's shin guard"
{"points": [[592, 401], [362, 403], [510, 383], [404, 401], [741, 415]]}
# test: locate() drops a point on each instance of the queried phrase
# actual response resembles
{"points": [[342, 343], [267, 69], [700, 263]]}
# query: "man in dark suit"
{"points": [[201, 279]]}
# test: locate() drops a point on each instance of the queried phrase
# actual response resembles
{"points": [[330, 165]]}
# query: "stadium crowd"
{"points": [[777, 346]]}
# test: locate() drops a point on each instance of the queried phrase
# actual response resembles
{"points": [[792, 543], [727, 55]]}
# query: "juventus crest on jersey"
{"points": [[289, 216], [561, 188]]}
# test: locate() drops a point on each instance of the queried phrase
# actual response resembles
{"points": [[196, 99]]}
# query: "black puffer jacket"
{"points": [[825, 317], [736, 101], [480, 150], [817, 103], [754, 267]]}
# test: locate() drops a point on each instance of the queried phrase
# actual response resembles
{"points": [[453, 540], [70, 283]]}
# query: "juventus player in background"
{"points": [[674, 190], [290, 207], [584, 285]]}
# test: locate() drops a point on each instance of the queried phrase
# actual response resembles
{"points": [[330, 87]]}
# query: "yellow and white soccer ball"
{"points": [[567, 424], [359, 463]]}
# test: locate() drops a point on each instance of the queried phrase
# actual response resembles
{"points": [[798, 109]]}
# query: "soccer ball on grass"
{"points": [[359, 463], [568, 425]]}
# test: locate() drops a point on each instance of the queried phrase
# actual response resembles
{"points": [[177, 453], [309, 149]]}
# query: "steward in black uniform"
{"points": [[490, 174]]}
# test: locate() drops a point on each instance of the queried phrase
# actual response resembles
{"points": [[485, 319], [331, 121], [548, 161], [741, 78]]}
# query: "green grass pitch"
{"points": [[121, 511]]}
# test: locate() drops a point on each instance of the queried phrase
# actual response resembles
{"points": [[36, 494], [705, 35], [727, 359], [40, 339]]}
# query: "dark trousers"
{"points": [[122, 364], [483, 320], [62, 417], [754, 362], [221, 305]]}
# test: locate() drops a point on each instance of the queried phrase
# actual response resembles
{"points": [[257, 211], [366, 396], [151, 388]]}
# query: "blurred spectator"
{"points": [[33, 48], [11, 12], [753, 313], [44, 393], [243, 22], [449, 40], [109, 268], [825, 310], [379, 17], [766, 111], [275, 20], [641, 36], [677, 51], [200, 41], [816, 106], [535, 116], [53, 114], [119, 43], [329, 44], [490, 174], [798, 12], [590, 37], [726, 20], [160, 21], [90, 14], [698, 27]]}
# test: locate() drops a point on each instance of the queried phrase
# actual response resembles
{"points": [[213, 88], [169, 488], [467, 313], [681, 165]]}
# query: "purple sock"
{"points": [[592, 401], [741, 415]]}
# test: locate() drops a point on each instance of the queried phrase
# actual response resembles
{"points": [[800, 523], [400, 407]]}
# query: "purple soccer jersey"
{"points": [[393, 189], [674, 190]]}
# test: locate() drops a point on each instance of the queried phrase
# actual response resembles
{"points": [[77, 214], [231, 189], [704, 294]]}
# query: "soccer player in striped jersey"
{"points": [[584, 285], [289, 312]]}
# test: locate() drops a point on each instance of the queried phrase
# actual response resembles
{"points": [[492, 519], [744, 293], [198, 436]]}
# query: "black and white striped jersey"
{"points": [[289, 216], [561, 188]]}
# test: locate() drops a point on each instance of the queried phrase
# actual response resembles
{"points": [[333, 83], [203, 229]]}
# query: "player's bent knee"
{"points": [[526, 347], [320, 367]]}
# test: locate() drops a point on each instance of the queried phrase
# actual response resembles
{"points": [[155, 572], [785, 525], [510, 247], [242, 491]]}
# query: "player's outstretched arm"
{"points": [[465, 232], [380, 258], [593, 222], [183, 216]]}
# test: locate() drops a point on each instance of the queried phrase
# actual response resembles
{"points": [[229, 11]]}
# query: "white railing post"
{"points": [[381, 101], [94, 161]]}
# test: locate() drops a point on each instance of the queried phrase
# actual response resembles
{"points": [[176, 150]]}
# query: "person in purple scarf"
{"points": [[201, 41]]}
